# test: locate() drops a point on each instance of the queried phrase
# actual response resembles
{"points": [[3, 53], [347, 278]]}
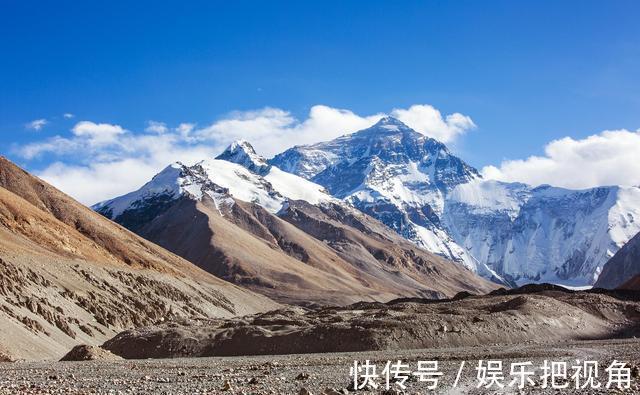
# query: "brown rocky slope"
{"points": [[70, 276], [306, 254]]}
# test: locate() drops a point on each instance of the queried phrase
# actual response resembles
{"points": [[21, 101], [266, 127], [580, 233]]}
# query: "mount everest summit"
{"points": [[506, 232]]}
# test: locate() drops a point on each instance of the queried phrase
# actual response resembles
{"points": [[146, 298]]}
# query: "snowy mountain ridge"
{"points": [[544, 234], [513, 231], [237, 173]]}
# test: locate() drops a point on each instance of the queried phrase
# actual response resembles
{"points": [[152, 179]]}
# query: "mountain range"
{"points": [[395, 178], [376, 215], [509, 232], [255, 225]]}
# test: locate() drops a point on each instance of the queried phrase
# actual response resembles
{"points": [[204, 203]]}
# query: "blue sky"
{"points": [[526, 73]]}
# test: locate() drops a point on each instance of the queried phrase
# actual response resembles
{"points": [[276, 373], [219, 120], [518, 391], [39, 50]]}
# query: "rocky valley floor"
{"points": [[317, 373]]}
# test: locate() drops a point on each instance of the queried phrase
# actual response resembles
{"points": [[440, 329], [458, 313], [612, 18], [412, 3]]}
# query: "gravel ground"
{"points": [[315, 373]]}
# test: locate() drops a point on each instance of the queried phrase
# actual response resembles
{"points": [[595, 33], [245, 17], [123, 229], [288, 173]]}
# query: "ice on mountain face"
{"points": [[296, 188], [624, 216], [491, 196], [243, 184], [258, 172], [303, 161], [552, 235], [420, 225], [417, 187], [308, 161]]}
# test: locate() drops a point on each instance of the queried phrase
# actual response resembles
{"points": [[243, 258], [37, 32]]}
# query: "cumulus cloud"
{"points": [[98, 133], [57, 144], [272, 130], [156, 127], [95, 181], [37, 124], [88, 138], [68, 115], [185, 129], [608, 158], [101, 160], [96, 161], [428, 120]]}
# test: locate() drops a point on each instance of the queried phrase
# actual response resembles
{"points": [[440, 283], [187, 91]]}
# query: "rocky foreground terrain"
{"points": [[532, 314], [311, 373], [529, 324]]}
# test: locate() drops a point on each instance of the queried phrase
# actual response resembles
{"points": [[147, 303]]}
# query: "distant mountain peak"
{"points": [[243, 145], [243, 153], [389, 139], [388, 123]]}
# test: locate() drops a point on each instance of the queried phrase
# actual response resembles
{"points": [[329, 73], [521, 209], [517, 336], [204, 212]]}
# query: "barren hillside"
{"points": [[69, 276]]}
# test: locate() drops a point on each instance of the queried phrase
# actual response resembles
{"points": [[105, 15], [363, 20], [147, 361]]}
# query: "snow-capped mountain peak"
{"points": [[393, 173], [174, 181], [238, 173], [243, 153], [516, 232], [390, 123], [390, 141]]}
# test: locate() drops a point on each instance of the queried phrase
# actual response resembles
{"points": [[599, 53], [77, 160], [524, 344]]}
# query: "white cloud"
{"points": [[97, 161], [57, 144], [88, 138], [93, 172], [156, 127], [608, 158], [68, 115], [427, 120], [92, 182], [272, 130], [101, 160], [37, 124], [98, 133], [185, 128]]}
